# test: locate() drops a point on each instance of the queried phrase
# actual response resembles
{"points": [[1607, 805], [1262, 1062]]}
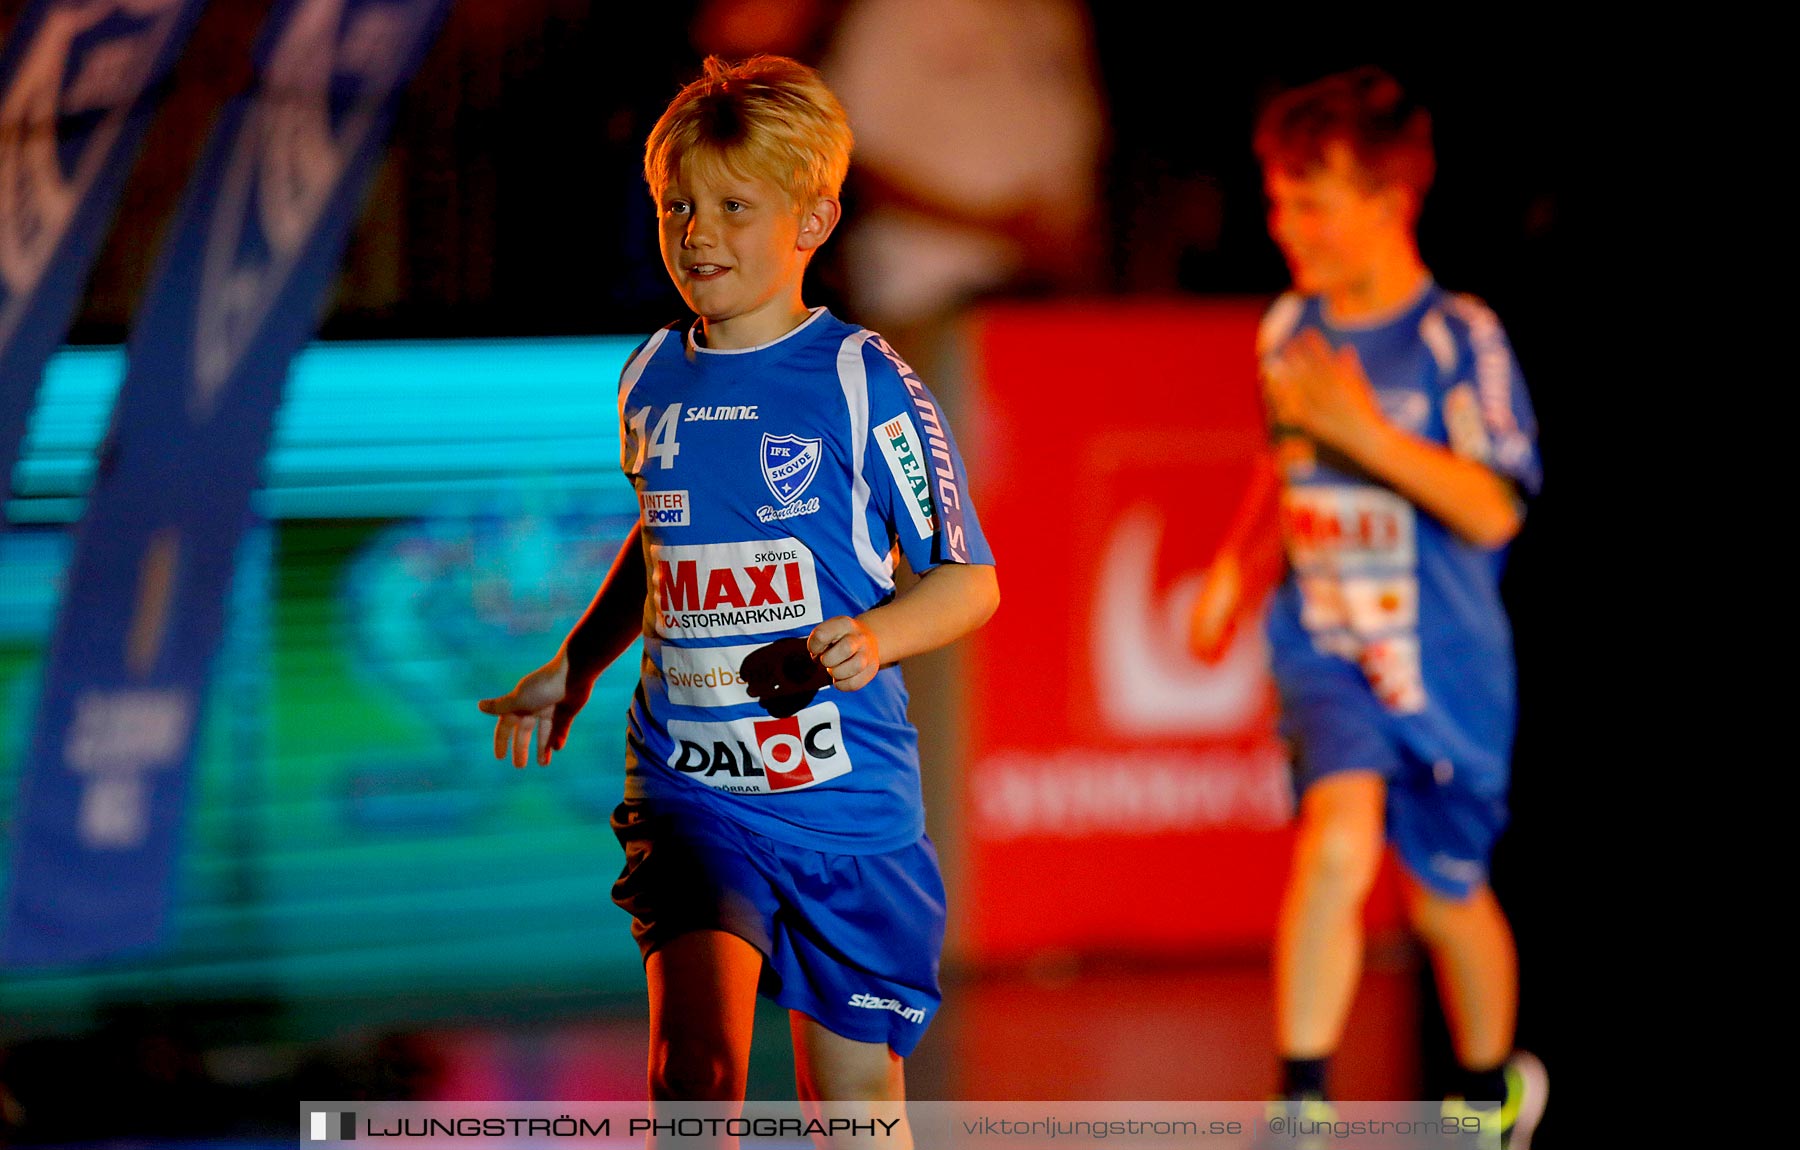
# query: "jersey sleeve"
{"points": [[1487, 411], [631, 446], [917, 483]]}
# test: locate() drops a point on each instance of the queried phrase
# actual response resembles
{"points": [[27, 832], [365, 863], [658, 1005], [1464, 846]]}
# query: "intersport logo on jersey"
{"points": [[748, 588], [665, 508], [761, 756]]}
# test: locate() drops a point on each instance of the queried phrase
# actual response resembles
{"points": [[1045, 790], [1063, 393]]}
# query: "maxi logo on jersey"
{"points": [[744, 588], [788, 466], [1342, 527], [759, 756]]}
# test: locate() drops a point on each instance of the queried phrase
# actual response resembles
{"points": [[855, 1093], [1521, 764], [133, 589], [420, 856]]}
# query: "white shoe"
{"points": [[1527, 1092]]}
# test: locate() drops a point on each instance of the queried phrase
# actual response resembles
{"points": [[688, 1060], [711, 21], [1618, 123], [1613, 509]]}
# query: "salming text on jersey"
{"points": [[704, 414]]}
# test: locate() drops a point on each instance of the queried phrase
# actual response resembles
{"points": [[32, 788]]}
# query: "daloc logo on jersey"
{"points": [[788, 466], [752, 756]]}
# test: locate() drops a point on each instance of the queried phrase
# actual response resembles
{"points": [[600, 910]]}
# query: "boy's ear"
{"points": [[817, 222]]}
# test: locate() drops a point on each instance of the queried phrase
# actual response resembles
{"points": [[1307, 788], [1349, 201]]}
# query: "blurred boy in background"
{"points": [[1404, 443]]}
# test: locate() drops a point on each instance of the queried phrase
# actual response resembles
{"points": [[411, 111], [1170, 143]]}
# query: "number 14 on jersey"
{"points": [[658, 442]]}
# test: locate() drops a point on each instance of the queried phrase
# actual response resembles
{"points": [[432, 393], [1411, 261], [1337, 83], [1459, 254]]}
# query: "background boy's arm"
{"points": [[1249, 558], [541, 705], [1327, 395], [948, 602]]}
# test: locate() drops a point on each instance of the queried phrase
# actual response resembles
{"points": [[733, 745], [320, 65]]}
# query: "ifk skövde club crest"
{"points": [[789, 464]]}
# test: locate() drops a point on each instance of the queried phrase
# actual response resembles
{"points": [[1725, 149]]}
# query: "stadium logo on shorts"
{"points": [[876, 1002]]}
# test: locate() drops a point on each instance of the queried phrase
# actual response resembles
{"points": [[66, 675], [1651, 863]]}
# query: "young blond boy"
{"points": [[1404, 439], [772, 824]]}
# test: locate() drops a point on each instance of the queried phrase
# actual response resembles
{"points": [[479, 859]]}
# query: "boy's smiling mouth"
{"points": [[706, 271]]}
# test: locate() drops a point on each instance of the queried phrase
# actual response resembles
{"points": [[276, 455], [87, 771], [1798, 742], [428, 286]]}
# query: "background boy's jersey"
{"points": [[775, 483], [1377, 584]]}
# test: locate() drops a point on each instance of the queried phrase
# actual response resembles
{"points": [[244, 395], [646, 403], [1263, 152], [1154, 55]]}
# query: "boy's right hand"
{"points": [[1213, 621], [541, 706]]}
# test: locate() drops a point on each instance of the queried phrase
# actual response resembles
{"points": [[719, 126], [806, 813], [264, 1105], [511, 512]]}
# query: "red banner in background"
{"points": [[1120, 794]]}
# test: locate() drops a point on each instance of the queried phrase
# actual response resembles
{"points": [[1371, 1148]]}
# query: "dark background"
{"points": [[512, 203]]}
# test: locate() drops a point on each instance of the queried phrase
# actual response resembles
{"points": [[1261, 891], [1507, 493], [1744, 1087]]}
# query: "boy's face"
{"points": [[737, 248], [1329, 226]]}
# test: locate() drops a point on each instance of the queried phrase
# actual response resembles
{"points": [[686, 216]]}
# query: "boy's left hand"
{"points": [[846, 648], [1323, 393]]}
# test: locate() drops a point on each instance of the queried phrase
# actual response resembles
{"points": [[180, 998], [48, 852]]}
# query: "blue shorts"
{"points": [[853, 941], [1442, 820]]}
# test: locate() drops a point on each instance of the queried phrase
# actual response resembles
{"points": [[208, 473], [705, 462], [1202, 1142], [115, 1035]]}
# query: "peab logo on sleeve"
{"points": [[899, 441]]}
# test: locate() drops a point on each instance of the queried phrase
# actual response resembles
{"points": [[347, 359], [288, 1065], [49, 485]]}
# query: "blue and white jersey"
{"points": [[777, 485], [1377, 584]]}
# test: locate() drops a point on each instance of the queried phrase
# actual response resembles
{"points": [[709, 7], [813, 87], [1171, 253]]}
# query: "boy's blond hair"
{"points": [[767, 116]]}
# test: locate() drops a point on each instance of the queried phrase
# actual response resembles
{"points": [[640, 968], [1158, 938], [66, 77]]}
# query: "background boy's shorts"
{"points": [[1443, 818], [851, 940]]}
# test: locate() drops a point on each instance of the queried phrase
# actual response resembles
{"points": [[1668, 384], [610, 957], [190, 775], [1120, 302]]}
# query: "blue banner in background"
{"points": [[237, 294], [79, 83]]}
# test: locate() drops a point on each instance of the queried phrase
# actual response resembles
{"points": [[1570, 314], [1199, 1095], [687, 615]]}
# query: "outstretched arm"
{"points": [[1249, 558], [948, 602], [543, 704], [614, 618]]}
